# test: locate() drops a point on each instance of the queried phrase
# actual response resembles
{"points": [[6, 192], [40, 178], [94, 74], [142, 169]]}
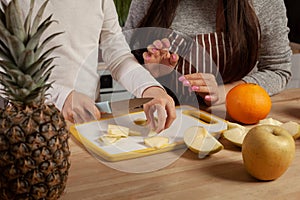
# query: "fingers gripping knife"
{"points": [[121, 107]]}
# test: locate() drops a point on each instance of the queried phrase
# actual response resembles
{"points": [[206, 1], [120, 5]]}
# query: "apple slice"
{"points": [[156, 142], [106, 140], [152, 133], [134, 133], [236, 135], [117, 131], [231, 125], [269, 121], [293, 128], [200, 141], [140, 122]]}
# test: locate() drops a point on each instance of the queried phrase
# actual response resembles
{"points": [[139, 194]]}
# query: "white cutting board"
{"points": [[133, 146]]}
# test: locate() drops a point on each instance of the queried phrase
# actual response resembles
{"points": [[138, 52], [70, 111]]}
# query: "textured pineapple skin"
{"points": [[34, 153]]}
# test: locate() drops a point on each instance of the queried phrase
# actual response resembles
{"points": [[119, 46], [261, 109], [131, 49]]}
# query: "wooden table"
{"points": [[220, 176]]}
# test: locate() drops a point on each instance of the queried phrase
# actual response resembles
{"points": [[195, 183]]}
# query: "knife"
{"points": [[123, 106]]}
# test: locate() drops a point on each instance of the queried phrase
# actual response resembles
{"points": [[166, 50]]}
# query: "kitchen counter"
{"points": [[219, 176]]}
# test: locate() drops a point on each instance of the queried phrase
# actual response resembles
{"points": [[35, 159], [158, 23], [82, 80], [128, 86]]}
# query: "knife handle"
{"points": [[104, 106]]}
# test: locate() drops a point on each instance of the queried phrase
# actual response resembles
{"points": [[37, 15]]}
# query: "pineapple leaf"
{"points": [[4, 52], [42, 80], [28, 20], [2, 16], [14, 20], [38, 73], [26, 60], [7, 65], [3, 5], [49, 51], [23, 93], [41, 62], [16, 47], [4, 77], [14, 73], [7, 83], [7, 22], [4, 33], [45, 42], [35, 39], [38, 18], [35, 66], [45, 76]]}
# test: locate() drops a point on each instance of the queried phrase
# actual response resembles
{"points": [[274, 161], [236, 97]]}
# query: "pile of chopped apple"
{"points": [[115, 133], [236, 132]]}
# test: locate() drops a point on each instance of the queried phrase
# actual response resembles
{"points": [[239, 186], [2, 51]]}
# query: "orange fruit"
{"points": [[248, 103]]}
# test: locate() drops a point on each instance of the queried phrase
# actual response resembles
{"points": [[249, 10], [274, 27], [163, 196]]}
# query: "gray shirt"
{"points": [[197, 17]]}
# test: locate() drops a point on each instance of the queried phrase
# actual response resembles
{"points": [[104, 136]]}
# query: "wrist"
{"points": [[149, 91]]}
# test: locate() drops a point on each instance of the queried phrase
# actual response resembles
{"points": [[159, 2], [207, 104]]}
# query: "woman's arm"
{"points": [[274, 67]]}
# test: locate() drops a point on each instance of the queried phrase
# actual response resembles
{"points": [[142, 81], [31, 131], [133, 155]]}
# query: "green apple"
{"points": [[268, 151]]}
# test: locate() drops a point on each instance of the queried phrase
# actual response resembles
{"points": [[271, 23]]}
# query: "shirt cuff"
{"points": [[58, 95]]}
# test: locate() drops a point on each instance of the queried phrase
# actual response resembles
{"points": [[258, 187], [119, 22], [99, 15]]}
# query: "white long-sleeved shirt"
{"points": [[86, 24]]}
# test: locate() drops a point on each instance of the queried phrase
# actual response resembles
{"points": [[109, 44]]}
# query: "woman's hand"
{"points": [[163, 104], [203, 84], [158, 60], [79, 108]]}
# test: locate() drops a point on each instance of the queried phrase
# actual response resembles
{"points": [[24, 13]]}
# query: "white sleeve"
{"points": [[58, 95], [116, 54]]}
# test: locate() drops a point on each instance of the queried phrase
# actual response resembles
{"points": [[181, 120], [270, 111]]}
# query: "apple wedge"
{"points": [[236, 135], [293, 128], [269, 121], [156, 142], [198, 140]]}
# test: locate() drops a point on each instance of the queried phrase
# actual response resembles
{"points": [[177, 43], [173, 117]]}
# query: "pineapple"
{"points": [[34, 152]]}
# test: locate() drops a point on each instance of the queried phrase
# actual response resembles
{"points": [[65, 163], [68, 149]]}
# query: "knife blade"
{"points": [[122, 106]]}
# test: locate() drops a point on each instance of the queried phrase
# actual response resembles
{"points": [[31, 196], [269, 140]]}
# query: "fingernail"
{"points": [[158, 44], [174, 57], [154, 50], [207, 98], [186, 83], [148, 57], [195, 88], [181, 78]]}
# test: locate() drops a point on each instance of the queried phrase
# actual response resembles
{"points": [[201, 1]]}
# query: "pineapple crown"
{"points": [[26, 65]]}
